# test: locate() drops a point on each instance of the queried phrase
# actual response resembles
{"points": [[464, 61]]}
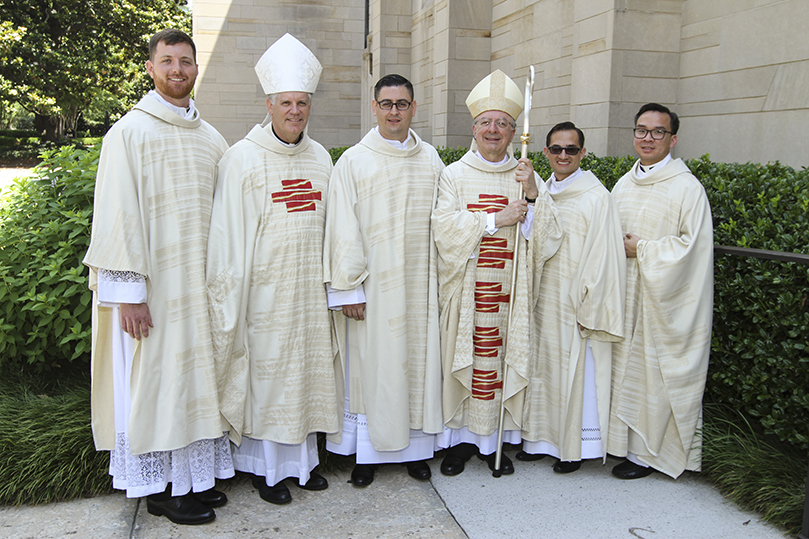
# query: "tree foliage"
{"points": [[56, 56]]}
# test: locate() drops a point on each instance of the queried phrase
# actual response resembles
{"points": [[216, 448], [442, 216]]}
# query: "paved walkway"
{"points": [[533, 503]]}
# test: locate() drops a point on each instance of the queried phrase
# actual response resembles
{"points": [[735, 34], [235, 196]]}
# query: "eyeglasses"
{"points": [[569, 150], [499, 123], [657, 134], [387, 104]]}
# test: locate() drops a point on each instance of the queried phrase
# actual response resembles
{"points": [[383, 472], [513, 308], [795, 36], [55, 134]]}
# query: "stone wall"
{"points": [[735, 70], [231, 35]]}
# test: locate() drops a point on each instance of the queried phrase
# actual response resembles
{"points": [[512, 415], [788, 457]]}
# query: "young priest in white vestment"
{"points": [[154, 398], [379, 261], [659, 370], [578, 317]]}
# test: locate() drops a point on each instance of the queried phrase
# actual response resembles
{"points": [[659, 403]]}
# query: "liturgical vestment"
{"points": [[271, 324], [659, 370], [378, 236], [153, 199], [475, 270], [581, 297]]}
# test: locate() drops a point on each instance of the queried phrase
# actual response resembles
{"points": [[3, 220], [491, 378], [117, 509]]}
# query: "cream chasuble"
{"points": [[378, 235], [153, 200], [582, 284], [271, 324], [475, 284], [659, 371]]}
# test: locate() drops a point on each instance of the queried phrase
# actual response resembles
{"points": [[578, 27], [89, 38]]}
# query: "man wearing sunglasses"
{"points": [[481, 223], [379, 263], [659, 370], [578, 316]]}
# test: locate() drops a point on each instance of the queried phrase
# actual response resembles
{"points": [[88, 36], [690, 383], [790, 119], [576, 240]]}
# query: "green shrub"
{"points": [[44, 233]]}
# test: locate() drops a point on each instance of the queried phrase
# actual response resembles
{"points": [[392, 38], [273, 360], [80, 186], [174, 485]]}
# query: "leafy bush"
{"points": [[44, 233]]}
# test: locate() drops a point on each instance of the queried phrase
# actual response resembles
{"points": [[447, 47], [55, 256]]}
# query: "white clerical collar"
{"points": [[398, 144], [557, 186], [501, 162], [643, 170], [182, 112]]}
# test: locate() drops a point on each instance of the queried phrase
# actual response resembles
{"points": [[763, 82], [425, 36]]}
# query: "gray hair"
{"points": [[272, 97]]}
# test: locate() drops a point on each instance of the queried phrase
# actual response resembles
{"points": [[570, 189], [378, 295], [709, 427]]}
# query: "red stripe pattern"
{"points": [[297, 195], [484, 383]]}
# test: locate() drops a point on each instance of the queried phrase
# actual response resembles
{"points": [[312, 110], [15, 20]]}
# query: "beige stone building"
{"points": [[735, 70]]}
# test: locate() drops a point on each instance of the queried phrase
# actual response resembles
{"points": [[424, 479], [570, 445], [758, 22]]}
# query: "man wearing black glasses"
{"points": [[659, 371], [379, 263], [482, 225], [578, 316]]}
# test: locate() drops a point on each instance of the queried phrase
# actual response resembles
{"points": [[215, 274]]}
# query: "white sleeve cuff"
{"points": [[112, 288], [338, 298], [528, 224], [490, 228]]}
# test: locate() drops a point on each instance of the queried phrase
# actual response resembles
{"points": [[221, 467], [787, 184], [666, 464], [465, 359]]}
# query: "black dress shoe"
{"points": [[630, 470], [566, 466], [452, 465], [316, 482], [418, 469], [211, 498], [278, 494], [179, 509], [363, 475], [456, 457], [506, 466], [529, 457]]}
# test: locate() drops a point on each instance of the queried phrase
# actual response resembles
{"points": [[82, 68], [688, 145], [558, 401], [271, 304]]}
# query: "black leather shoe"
{"points": [[452, 465], [211, 497], [363, 475], [566, 466], [316, 482], [506, 466], [529, 457], [630, 470], [418, 469], [278, 494], [180, 509]]}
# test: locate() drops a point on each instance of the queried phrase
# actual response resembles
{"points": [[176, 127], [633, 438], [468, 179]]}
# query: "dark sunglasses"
{"points": [[569, 150]]}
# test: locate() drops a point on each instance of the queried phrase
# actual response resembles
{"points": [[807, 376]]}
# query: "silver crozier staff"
{"points": [[525, 138]]}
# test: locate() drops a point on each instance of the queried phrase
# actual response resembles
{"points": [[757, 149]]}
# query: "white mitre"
{"points": [[496, 92], [288, 66]]}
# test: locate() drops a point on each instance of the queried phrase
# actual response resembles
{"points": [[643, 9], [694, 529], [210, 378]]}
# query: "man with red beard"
{"points": [[154, 398]]}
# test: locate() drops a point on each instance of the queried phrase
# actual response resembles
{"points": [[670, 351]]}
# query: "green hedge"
{"points": [[759, 359]]}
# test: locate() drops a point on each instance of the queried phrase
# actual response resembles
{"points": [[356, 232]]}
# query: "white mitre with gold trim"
{"points": [[288, 66], [496, 92]]}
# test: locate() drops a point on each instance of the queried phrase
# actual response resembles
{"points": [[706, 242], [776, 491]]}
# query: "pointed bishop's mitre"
{"points": [[496, 92], [288, 66]]}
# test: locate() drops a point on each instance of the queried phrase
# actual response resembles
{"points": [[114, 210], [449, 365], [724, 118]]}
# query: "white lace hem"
{"points": [[194, 467]]}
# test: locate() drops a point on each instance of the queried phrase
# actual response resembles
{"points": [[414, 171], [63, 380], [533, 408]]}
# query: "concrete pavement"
{"points": [[535, 502]]}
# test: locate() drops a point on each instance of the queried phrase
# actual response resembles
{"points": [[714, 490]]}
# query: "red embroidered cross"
{"points": [[298, 195]]}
